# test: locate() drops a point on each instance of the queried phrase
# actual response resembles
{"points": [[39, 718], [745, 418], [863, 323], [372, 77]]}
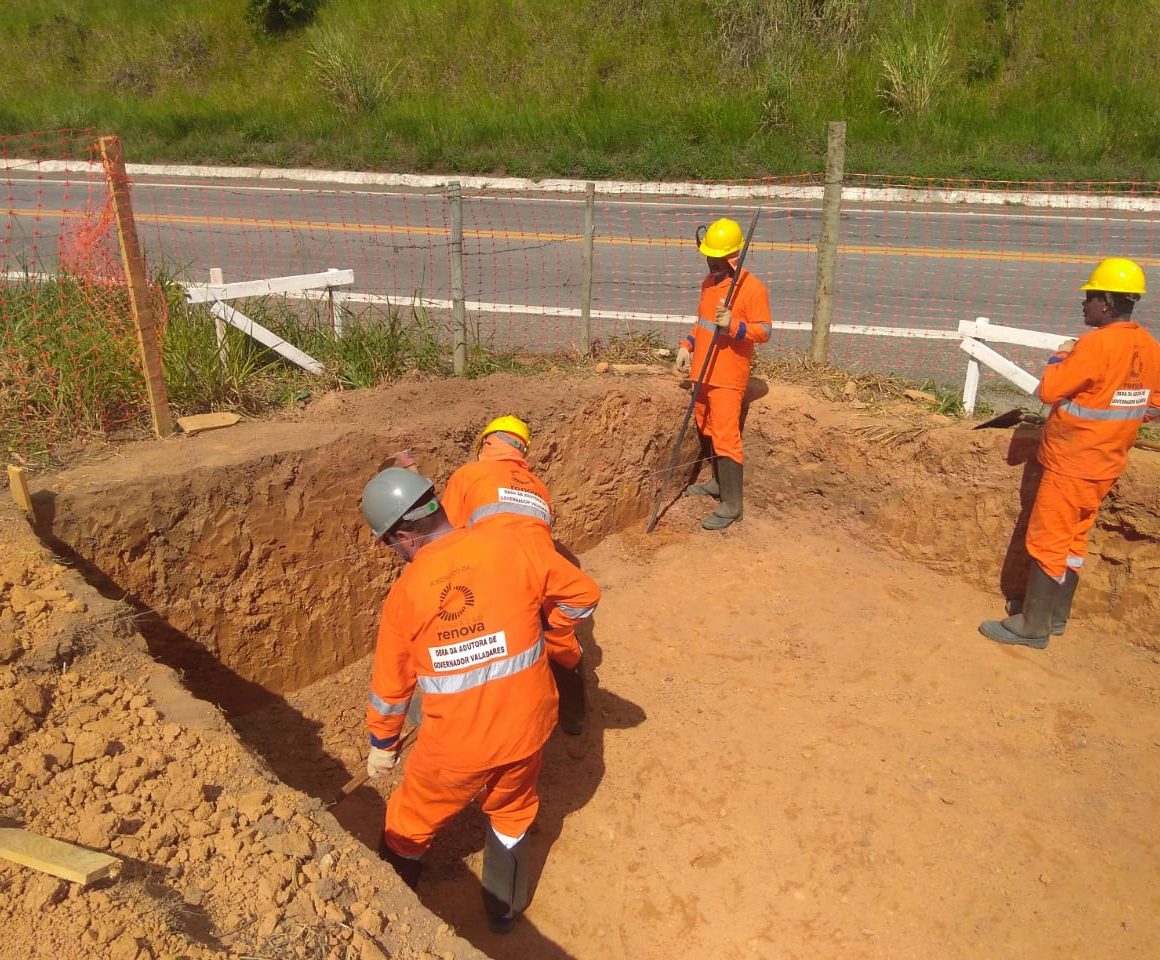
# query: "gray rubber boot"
{"points": [[1031, 627], [711, 487], [505, 881], [732, 495], [1061, 611], [573, 702]]}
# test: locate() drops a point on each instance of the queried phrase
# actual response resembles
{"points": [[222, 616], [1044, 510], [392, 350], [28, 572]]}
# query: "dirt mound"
{"points": [[797, 742]]}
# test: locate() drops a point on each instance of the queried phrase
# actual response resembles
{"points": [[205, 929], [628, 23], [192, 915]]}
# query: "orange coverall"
{"points": [[1100, 392], [498, 485], [718, 407], [463, 624], [500, 489]]}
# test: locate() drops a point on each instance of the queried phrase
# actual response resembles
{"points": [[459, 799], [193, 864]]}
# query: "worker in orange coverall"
{"points": [[718, 406], [1101, 390], [463, 624], [499, 487]]}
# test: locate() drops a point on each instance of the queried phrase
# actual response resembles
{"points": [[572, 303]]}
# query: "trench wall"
{"points": [[255, 575]]}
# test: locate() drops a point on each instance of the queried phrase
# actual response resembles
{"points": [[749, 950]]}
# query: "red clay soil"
{"points": [[799, 745]]}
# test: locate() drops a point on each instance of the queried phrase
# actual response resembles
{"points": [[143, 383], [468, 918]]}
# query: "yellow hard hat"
{"points": [[1117, 275], [722, 238], [506, 424]]}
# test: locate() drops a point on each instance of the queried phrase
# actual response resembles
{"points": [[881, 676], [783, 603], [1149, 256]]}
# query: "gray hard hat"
{"points": [[393, 495]]}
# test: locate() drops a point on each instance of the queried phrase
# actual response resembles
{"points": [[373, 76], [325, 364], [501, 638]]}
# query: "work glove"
{"points": [[724, 317], [380, 761], [684, 361]]}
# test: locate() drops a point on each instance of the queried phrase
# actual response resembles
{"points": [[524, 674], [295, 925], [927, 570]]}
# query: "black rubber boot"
{"points": [[732, 488], [407, 869], [711, 487], [573, 701], [505, 882], [1031, 627], [1061, 611]]}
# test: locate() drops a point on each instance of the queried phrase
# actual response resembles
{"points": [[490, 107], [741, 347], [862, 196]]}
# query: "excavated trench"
{"points": [[254, 575], [246, 561]]}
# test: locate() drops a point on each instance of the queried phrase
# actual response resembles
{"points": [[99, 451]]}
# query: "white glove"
{"points": [[684, 361], [724, 317], [380, 761]]}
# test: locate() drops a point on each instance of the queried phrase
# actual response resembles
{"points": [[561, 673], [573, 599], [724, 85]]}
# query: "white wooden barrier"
{"points": [[974, 332], [216, 292]]}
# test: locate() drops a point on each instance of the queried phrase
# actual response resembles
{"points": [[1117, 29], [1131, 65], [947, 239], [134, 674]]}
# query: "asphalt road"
{"points": [[916, 266]]}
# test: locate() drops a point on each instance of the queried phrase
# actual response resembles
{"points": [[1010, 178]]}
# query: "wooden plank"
{"points": [[207, 421], [19, 487], [204, 292], [265, 337], [1001, 365], [55, 857]]}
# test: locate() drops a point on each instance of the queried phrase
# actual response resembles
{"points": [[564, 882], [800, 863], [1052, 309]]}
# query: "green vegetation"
{"points": [[1008, 89], [69, 366]]}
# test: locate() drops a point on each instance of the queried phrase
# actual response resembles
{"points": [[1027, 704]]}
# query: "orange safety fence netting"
{"points": [[915, 257], [68, 361]]}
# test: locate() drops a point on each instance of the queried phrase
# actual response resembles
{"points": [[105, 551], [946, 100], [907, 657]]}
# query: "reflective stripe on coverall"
{"points": [[498, 485], [463, 624], [1101, 392], [500, 488], [718, 408]]}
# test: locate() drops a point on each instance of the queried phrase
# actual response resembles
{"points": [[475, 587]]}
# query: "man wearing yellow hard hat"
{"points": [[1101, 388], [725, 361], [498, 488]]}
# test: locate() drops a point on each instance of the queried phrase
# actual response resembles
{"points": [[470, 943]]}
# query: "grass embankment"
{"points": [[648, 89]]}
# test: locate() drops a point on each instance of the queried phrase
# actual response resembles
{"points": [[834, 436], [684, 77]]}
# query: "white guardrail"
{"points": [[975, 332]]}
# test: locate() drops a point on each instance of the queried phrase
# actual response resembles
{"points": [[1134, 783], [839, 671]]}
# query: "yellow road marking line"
{"points": [[941, 253]]}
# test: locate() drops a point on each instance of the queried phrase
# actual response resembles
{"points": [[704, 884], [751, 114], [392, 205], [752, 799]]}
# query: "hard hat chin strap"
{"points": [[509, 440]]}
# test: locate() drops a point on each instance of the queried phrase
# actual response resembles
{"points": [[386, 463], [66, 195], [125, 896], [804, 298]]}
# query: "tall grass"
{"points": [[69, 364], [66, 364], [915, 59], [615, 88], [350, 75]]}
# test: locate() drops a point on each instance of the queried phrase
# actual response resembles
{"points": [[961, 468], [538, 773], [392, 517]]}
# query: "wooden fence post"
{"points": [[458, 295], [828, 241], [586, 269], [219, 325], [140, 301]]}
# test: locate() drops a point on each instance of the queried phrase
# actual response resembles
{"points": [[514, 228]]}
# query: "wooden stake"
{"points": [[140, 302], [19, 487]]}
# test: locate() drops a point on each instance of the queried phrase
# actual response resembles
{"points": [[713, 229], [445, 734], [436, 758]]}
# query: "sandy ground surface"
{"points": [[798, 746]]}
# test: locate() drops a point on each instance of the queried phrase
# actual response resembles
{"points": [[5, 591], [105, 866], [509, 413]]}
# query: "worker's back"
{"points": [[468, 610], [497, 489], [1101, 392]]}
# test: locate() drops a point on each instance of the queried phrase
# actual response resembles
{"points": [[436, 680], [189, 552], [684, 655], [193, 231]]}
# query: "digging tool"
{"points": [[727, 303], [1013, 417], [362, 776], [1009, 419]]}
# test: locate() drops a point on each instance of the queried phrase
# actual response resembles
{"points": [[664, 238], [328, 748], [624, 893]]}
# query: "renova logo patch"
{"points": [[455, 601]]}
